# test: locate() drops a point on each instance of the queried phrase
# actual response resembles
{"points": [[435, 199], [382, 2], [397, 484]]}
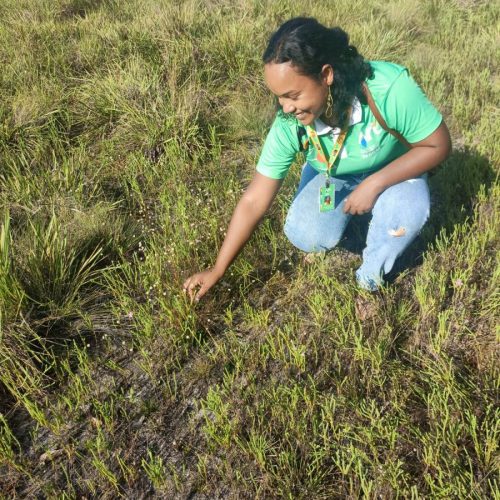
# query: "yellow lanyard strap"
{"points": [[337, 146]]}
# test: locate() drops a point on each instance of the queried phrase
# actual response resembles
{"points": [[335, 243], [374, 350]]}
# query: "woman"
{"points": [[369, 135]]}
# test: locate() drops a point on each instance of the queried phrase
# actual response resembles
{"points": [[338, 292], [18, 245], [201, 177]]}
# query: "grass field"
{"points": [[128, 131]]}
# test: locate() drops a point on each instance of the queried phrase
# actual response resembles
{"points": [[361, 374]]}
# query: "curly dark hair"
{"points": [[309, 45]]}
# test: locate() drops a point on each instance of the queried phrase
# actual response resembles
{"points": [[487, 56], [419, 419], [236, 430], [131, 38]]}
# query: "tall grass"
{"points": [[128, 132]]}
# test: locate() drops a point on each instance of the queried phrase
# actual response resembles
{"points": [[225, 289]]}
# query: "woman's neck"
{"points": [[327, 121]]}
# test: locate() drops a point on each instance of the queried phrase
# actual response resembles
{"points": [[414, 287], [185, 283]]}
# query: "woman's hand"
{"points": [[362, 198], [423, 156], [205, 280]]}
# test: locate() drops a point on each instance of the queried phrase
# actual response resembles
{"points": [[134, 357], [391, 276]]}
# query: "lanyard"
{"points": [[337, 146], [320, 155], [326, 192]]}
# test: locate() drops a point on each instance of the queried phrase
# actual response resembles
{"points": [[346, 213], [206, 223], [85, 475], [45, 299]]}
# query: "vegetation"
{"points": [[128, 132]]}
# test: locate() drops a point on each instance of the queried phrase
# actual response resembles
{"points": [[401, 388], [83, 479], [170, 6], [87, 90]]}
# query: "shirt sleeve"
{"points": [[280, 148], [408, 110]]}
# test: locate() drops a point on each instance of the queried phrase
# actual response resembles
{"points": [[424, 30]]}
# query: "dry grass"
{"points": [[128, 132]]}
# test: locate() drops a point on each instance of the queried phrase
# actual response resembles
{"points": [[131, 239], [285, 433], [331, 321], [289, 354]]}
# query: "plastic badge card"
{"points": [[327, 198]]}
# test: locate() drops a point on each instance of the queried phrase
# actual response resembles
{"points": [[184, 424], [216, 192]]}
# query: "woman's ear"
{"points": [[327, 74]]}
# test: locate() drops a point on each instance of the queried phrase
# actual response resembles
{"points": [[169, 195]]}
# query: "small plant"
{"points": [[128, 132], [155, 469], [9, 446]]}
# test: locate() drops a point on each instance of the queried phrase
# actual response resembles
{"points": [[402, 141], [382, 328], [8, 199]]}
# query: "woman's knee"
{"points": [[309, 238], [307, 228], [403, 208]]}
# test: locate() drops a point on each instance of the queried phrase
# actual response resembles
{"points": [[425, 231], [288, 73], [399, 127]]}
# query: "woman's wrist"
{"points": [[219, 270], [376, 182]]}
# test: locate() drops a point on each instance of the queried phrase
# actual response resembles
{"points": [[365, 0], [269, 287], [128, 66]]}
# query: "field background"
{"points": [[128, 130]]}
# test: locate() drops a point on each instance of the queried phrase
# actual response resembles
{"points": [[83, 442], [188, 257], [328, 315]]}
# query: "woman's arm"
{"points": [[423, 156], [252, 206]]}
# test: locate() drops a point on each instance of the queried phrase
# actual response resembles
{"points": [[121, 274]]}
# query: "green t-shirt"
{"points": [[367, 147]]}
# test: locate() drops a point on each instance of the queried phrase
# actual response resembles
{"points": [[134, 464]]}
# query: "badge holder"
{"points": [[327, 197], [327, 192]]}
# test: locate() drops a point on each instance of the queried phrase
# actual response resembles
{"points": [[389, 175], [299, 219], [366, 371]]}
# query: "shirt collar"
{"points": [[356, 114]]}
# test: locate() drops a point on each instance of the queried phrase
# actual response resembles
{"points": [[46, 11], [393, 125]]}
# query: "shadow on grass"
{"points": [[454, 187]]}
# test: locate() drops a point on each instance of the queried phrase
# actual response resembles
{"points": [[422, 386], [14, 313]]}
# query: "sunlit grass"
{"points": [[128, 131]]}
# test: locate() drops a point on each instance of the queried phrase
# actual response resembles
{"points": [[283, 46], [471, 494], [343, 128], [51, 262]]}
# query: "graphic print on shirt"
{"points": [[367, 135]]}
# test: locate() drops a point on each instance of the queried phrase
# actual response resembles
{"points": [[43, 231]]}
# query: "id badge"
{"points": [[327, 198]]}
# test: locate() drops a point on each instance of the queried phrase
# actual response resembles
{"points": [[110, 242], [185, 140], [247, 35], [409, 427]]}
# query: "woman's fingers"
{"points": [[205, 284], [346, 205], [202, 291], [205, 280], [192, 288], [190, 284], [354, 209], [185, 285]]}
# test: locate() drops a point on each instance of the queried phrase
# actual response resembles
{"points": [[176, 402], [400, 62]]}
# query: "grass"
{"points": [[128, 132]]}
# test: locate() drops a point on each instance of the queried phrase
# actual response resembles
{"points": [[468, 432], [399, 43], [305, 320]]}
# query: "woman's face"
{"points": [[298, 94]]}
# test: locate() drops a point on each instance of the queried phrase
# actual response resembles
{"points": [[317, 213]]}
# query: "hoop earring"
{"points": [[329, 105]]}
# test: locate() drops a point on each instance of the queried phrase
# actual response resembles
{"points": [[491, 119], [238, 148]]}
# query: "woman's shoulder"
{"points": [[286, 126], [384, 75], [287, 120], [285, 130]]}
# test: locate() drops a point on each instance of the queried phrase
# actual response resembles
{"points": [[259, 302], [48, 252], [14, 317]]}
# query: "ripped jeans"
{"points": [[397, 217]]}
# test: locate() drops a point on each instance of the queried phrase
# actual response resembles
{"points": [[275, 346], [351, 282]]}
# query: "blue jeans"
{"points": [[397, 217]]}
